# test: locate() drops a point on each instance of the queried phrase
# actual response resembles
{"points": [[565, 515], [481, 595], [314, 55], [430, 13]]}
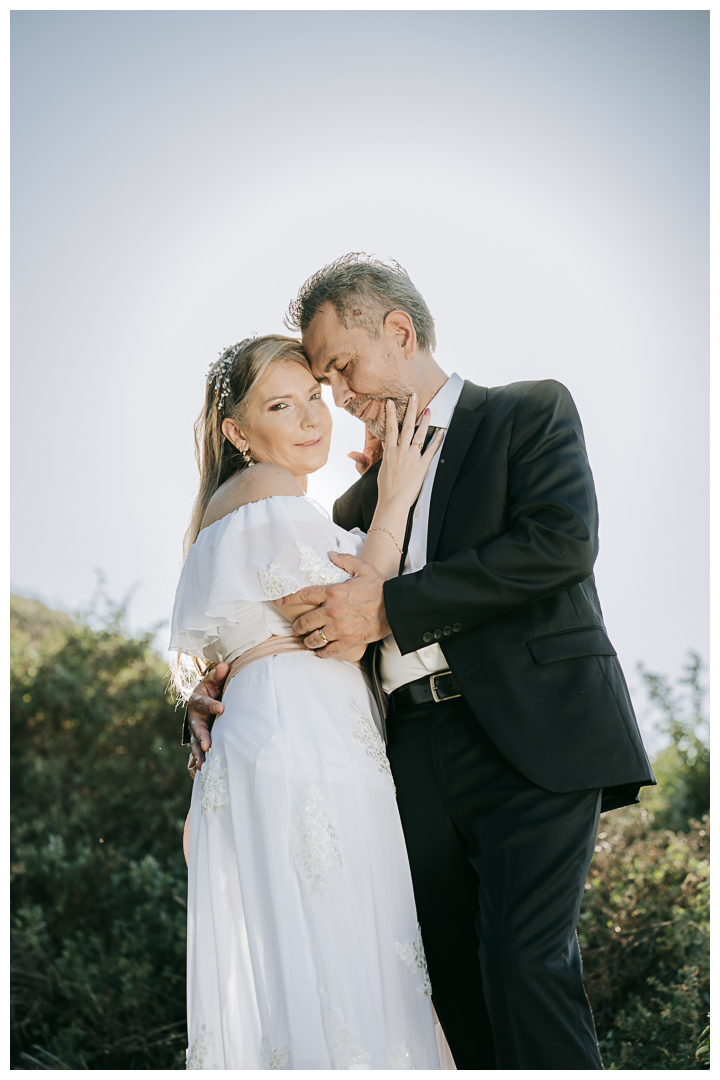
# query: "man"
{"points": [[509, 724]]}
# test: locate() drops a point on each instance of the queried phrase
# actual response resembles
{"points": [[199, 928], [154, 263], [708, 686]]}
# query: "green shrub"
{"points": [[644, 938], [98, 888], [644, 927], [683, 768], [100, 793]]}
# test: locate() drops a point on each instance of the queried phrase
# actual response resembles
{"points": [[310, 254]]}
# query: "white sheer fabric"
{"points": [[241, 563], [303, 945]]}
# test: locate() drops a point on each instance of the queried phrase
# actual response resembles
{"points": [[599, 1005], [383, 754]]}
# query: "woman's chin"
{"points": [[318, 460]]}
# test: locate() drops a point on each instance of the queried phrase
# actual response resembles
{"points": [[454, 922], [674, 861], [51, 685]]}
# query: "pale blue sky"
{"points": [[176, 176]]}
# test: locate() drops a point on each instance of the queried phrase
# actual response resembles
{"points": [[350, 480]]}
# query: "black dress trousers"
{"points": [[498, 867]]}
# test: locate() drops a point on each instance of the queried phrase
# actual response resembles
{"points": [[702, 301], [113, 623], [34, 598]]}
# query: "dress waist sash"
{"points": [[272, 647]]}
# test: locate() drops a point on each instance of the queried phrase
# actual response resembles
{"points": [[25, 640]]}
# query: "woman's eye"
{"points": [[280, 405], [316, 395]]}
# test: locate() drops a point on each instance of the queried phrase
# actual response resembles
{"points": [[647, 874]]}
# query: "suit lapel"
{"points": [[369, 494], [465, 422]]}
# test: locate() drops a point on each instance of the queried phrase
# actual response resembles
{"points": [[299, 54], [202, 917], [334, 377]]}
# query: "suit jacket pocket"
{"points": [[570, 644]]}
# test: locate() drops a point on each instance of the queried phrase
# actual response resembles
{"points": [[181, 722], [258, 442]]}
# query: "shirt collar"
{"points": [[443, 404]]}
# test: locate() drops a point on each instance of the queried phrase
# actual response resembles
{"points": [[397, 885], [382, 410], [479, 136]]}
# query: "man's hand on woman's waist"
{"points": [[345, 616]]}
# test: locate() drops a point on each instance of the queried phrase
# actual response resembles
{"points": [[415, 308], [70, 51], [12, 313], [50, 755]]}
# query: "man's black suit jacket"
{"points": [[508, 590]]}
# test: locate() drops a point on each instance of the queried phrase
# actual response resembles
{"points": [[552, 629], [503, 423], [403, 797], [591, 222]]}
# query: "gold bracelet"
{"points": [[379, 528]]}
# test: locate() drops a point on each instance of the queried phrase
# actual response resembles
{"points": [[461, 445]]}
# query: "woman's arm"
{"points": [[400, 479]]}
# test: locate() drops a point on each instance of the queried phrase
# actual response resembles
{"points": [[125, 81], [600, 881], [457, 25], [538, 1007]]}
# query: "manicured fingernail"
{"points": [[427, 412]]}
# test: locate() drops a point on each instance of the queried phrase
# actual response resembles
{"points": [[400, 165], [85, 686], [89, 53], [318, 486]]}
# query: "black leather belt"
{"points": [[442, 686]]}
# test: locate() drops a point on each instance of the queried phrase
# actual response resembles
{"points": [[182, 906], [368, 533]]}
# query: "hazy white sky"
{"points": [[177, 175]]}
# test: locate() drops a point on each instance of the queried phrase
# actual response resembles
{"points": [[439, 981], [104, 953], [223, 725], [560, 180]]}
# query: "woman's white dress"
{"points": [[304, 950]]}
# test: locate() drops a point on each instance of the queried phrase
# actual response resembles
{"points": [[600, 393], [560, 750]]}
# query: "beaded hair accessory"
{"points": [[221, 371]]}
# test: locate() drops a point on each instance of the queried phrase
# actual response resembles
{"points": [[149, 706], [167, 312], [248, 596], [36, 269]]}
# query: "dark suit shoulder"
{"points": [[540, 390], [348, 507], [354, 509], [529, 402]]}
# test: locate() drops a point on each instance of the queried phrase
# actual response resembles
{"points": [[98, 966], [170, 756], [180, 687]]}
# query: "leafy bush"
{"points": [[683, 768], [644, 938], [644, 927], [100, 794]]}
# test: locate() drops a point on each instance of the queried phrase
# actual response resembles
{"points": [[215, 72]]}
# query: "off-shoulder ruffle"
{"points": [[260, 552]]}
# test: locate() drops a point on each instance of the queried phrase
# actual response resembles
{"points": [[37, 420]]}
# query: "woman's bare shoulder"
{"points": [[258, 482]]}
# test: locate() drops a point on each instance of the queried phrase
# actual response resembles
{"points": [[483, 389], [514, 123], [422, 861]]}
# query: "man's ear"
{"points": [[399, 326]]}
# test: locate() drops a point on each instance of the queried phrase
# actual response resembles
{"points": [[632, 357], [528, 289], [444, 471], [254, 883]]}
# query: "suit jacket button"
{"points": [[427, 637], [457, 627], [437, 635], [447, 631]]}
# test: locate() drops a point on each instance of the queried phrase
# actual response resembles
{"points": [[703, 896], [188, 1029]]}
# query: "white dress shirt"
{"points": [[397, 670]]}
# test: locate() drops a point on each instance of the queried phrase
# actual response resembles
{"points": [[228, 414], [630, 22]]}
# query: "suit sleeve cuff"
{"points": [[409, 623]]}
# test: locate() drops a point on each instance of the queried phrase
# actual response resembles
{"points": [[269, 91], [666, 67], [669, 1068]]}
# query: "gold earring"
{"points": [[246, 458]]}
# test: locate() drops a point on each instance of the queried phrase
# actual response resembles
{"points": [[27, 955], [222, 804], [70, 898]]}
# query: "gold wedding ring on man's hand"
{"points": [[324, 639]]}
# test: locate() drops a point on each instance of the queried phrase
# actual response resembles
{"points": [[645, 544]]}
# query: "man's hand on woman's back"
{"points": [[203, 706]]}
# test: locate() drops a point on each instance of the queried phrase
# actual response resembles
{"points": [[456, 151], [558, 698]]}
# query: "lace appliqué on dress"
{"points": [[343, 1042], [319, 569], [275, 584], [413, 955], [271, 1057], [367, 734], [198, 1050], [401, 1059], [214, 794], [314, 843]]}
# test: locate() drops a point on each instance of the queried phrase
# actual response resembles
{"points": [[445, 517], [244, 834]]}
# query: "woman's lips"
{"points": [[313, 442]]}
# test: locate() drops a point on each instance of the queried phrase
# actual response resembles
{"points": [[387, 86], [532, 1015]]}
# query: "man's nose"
{"points": [[341, 392]]}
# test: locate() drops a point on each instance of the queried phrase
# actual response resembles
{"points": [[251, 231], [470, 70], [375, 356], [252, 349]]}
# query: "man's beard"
{"points": [[376, 424]]}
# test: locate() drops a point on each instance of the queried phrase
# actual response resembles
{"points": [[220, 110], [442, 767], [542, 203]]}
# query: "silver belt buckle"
{"points": [[433, 688]]}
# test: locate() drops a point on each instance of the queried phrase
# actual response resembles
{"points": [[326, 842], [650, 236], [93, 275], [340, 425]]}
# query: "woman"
{"points": [[303, 945]]}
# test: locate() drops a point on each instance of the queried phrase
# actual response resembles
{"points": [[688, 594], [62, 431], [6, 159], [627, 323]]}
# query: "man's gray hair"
{"points": [[363, 290]]}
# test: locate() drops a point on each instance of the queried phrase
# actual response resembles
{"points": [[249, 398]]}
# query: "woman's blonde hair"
{"points": [[230, 383]]}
